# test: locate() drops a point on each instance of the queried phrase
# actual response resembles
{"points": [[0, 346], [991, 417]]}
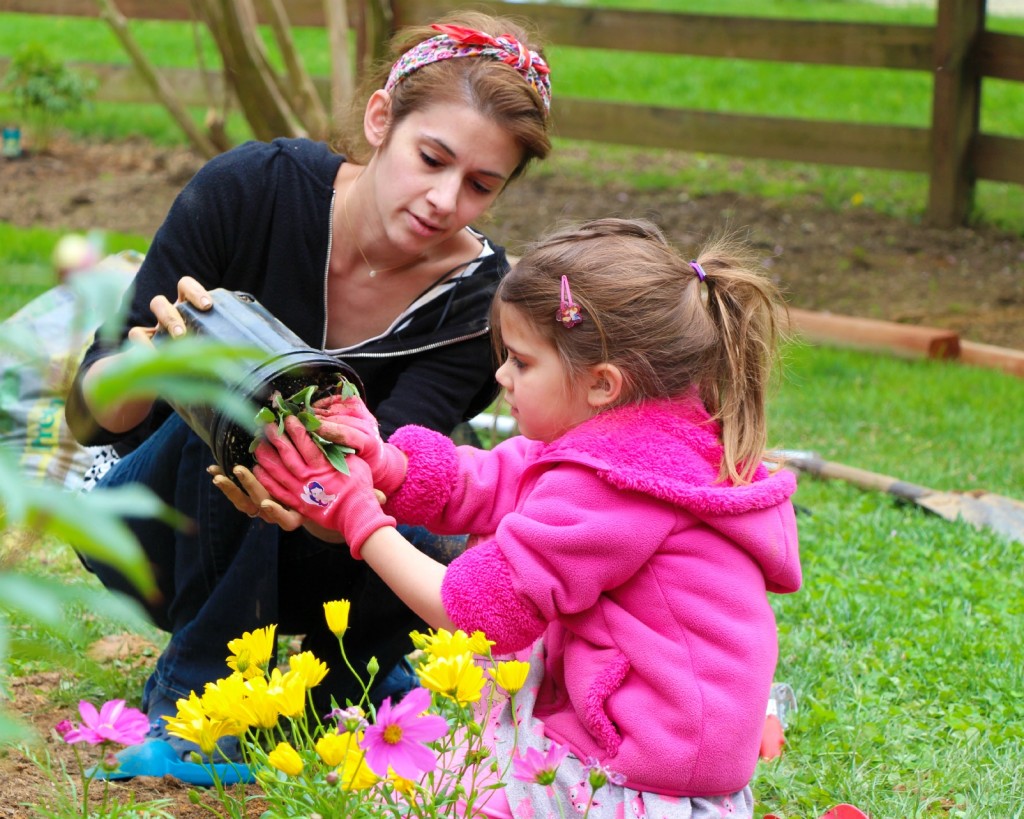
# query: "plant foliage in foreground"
{"points": [[425, 756], [94, 523]]}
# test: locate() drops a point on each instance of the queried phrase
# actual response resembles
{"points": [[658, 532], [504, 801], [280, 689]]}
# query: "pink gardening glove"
{"points": [[347, 421], [295, 471]]}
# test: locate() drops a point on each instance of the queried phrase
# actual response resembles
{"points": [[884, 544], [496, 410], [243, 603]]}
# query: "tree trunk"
{"points": [[233, 26], [299, 86], [163, 91], [342, 84]]}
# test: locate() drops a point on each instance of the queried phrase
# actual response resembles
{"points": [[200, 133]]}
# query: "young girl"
{"points": [[364, 249], [629, 533]]}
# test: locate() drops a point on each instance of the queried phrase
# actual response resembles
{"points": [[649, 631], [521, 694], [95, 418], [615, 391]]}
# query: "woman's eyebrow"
{"points": [[443, 146]]}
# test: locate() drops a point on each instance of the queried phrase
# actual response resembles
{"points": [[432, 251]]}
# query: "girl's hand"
{"points": [[299, 475], [347, 421]]}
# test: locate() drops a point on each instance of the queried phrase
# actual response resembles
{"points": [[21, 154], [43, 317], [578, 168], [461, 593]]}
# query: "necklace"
{"points": [[352, 232]]}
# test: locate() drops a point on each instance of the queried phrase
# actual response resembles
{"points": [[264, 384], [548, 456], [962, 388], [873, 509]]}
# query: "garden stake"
{"points": [[979, 508]]}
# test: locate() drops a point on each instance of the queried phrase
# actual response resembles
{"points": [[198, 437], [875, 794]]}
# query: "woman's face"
{"points": [[437, 171]]}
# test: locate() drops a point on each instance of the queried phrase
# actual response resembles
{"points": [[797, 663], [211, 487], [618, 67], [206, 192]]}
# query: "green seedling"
{"points": [[301, 406]]}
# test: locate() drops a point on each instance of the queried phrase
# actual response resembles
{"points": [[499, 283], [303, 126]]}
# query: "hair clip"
{"points": [[701, 275], [569, 313]]}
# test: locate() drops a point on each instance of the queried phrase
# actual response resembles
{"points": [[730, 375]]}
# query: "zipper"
{"points": [[425, 348], [327, 264]]}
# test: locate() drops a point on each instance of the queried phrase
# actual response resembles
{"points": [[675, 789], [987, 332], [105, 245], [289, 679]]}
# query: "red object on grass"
{"points": [[772, 739], [843, 811]]}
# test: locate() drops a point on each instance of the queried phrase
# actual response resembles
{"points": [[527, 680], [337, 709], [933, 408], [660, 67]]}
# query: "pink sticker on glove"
{"points": [[314, 494]]}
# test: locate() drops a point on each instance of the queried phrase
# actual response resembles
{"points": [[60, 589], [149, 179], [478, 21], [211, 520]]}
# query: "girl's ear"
{"points": [[377, 118], [605, 385]]}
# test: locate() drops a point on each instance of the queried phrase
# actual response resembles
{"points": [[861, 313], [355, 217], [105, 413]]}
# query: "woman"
{"points": [[365, 252]]}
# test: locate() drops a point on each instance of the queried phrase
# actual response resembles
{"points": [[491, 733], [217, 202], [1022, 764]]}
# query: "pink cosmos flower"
{"points": [[533, 766], [600, 775], [112, 723], [63, 727], [397, 738]]}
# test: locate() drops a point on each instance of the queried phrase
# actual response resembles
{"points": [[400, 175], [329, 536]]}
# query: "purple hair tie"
{"points": [[568, 313], [701, 275]]}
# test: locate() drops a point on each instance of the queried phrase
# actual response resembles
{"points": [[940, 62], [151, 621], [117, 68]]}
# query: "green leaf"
{"points": [[299, 406], [336, 455], [13, 730], [265, 416], [304, 397], [93, 523], [15, 494], [195, 371], [348, 389], [31, 599], [282, 406]]}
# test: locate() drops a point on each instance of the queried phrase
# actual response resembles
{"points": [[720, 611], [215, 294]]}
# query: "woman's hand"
{"points": [[252, 499], [248, 495], [167, 316], [129, 414]]}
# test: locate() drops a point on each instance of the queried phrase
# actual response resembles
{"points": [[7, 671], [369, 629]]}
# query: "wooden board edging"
{"points": [[987, 355], [905, 340], [872, 334]]}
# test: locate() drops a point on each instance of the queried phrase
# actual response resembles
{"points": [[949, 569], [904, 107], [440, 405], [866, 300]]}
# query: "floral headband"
{"points": [[457, 41]]}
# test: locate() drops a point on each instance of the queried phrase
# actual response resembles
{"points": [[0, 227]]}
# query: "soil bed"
{"points": [[853, 262]]}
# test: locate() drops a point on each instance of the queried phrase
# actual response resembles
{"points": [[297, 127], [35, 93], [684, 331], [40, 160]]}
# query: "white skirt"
{"points": [[571, 790]]}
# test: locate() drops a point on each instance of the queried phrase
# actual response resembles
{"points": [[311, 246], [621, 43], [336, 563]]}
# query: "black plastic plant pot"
{"points": [[288, 368]]}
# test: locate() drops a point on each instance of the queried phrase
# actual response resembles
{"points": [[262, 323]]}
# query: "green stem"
{"points": [[85, 782], [365, 698]]}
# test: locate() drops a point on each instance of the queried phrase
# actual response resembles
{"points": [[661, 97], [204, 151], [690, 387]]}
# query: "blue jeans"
{"points": [[228, 574]]}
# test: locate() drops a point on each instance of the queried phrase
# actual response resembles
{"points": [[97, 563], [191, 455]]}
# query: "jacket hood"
{"points": [[670, 450], [310, 158]]}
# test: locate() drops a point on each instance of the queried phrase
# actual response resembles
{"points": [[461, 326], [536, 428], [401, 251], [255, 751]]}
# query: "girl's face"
{"points": [[436, 171], [537, 387]]}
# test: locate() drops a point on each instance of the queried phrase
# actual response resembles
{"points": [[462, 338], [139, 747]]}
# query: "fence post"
{"points": [[956, 102]]}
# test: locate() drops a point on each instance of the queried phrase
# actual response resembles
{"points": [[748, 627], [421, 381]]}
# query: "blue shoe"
{"points": [[156, 757], [229, 748], [162, 754]]}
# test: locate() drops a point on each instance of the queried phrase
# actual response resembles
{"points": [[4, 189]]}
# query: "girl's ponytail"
{"points": [[742, 304]]}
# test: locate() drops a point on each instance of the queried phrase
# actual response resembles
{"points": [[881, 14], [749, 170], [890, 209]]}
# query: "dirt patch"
{"points": [[853, 262], [24, 783]]}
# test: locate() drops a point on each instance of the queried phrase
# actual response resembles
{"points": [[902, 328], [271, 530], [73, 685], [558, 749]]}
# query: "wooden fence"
{"points": [[957, 51]]}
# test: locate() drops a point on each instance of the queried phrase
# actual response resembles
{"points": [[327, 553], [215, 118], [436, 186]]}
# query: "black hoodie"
{"points": [[258, 219]]}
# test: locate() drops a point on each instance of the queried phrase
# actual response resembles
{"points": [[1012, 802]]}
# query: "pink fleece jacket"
{"points": [[646, 577]]}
